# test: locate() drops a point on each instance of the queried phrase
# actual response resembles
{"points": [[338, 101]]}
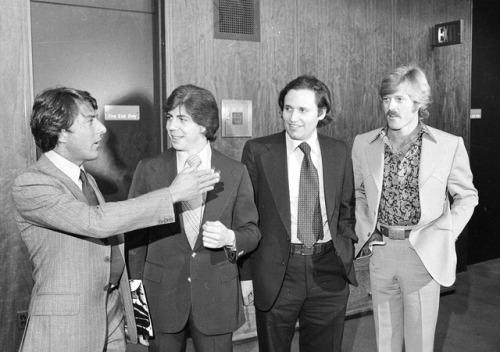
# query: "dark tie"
{"points": [[87, 189], [117, 262], [309, 223]]}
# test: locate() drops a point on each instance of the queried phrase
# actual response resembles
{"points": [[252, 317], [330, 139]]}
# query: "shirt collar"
{"points": [[205, 155], [67, 167], [292, 144], [423, 129]]}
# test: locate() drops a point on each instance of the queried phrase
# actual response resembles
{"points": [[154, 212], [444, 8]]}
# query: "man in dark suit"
{"points": [[81, 296], [189, 267], [304, 192]]}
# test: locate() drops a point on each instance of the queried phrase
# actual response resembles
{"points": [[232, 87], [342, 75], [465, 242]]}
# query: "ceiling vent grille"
{"points": [[237, 20]]}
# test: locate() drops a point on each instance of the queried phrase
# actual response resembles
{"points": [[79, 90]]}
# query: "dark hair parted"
{"points": [[321, 92], [54, 110], [199, 103], [412, 81]]}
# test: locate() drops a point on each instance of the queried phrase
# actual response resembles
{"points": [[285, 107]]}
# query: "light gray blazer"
{"points": [[71, 265], [444, 172]]}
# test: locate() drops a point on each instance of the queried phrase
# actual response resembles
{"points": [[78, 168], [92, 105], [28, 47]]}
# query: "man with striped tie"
{"points": [[189, 267], [81, 297]]}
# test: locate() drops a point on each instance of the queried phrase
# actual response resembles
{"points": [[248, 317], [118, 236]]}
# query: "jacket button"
{"points": [[107, 259], [193, 255], [368, 235], [189, 279], [106, 288], [283, 262]]}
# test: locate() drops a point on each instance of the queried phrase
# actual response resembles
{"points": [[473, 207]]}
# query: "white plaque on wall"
{"points": [[121, 113], [236, 118]]}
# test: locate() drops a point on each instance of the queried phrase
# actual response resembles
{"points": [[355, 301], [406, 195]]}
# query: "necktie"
{"points": [[309, 223], [191, 210], [87, 189], [117, 262]]}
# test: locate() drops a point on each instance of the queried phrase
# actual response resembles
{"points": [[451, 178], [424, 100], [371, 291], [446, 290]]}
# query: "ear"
{"points": [[322, 114], [63, 136], [417, 106]]}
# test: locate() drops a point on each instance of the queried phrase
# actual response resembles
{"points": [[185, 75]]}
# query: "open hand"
{"points": [[190, 183]]}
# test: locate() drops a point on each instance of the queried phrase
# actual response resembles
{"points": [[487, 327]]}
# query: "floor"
{"points": [[469, 318]]}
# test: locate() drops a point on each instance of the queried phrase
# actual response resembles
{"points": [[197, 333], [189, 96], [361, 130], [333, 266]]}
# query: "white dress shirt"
{"points": [[206, 161], [69, 168]]}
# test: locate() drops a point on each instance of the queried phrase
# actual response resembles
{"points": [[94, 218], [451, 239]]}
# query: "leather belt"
{"points": [[394, 233], [318, 248]]}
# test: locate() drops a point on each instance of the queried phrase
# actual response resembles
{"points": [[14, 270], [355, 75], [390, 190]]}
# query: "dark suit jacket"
{"points": [[71, 264], [266, 161], [177, 278]]}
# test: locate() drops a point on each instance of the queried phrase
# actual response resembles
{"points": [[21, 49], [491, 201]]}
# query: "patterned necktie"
{"points": [[191, 210], [309, 223], [117, 262]]}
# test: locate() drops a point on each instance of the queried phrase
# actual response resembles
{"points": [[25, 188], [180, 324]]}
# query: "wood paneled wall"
{"points": [[348, 44], [17, 152]]}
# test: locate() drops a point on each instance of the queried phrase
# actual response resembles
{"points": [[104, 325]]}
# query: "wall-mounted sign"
{"points": [[448, 33], [121, 113], [475, 113], [236, 118]]}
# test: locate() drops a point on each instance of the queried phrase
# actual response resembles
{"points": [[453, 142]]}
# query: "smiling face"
{"points": [[401, 112], [301, 114], [80, 143], [185, 134]]}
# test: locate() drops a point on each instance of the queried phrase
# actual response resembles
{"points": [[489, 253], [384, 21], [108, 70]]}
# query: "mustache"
{"points": [[391, 113]]}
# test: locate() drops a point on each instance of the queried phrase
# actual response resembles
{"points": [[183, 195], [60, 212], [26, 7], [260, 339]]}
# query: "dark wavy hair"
{"points": [[321, 92], [199, 103], [54, 110]]}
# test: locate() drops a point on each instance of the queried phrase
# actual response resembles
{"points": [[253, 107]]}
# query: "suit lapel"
{"points": [[275, 168], [47, 167], [120, 238], [430, 157], [375, 156], [331, 174], [217, 199], [165, 170]]}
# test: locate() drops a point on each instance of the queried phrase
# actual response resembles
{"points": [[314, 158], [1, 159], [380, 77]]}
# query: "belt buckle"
{"points": [[396, 234], [307, 251]]}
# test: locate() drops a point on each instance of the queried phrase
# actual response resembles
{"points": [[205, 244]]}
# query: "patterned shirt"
{"points": [[400, 201]]}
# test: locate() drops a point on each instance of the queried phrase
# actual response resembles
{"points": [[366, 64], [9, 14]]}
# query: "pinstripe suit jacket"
{"points": [[71, 264]]}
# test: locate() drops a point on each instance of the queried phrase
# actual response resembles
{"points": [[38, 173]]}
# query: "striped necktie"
{"points": [[191, 210]]}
